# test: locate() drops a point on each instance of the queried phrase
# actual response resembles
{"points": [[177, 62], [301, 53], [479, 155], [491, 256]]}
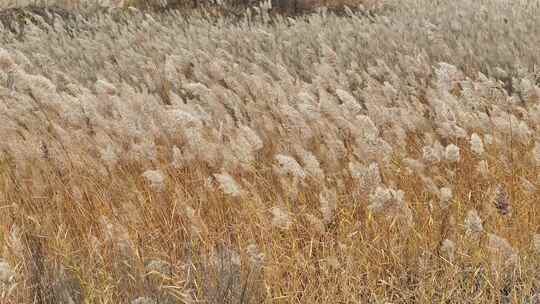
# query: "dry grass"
{"points": [[153, 159], [290, 6]]}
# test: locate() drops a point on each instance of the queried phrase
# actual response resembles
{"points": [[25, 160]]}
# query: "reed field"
{"points": [[382, 153]]}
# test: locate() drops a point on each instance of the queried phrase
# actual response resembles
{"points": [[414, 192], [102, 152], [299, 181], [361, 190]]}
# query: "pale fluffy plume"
{"points": [[433, 154], [7, 274], [328, 204], [156, 178], [317, 224], [311, 164], [473, 224], [483, 168], [368, 176], [477, 146], [117, 235], [452, 153], [228, 185], [389, 202], [501, 250], [445, 197], [280, 218], [287, 165], [448, 249], [109, 156], [256, 257]]}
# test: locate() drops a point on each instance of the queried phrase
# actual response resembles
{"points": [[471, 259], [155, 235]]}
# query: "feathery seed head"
{"points": [[448, 249], [431, 155], [502, 251], [369, 177], [328, 201], [289, 165], [228, 185], [477, 146], [144, 300], [452, 153], [6, 273], [156, 178], [256, 257], [483, 168], [280, 218], [473, 223], [445, 197]]}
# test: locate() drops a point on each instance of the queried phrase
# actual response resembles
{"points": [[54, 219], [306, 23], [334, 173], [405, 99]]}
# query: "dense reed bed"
{"points": [[389, 157]]}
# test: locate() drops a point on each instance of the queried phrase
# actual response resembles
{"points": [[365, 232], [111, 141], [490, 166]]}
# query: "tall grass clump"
{"points": [[388, 157]]}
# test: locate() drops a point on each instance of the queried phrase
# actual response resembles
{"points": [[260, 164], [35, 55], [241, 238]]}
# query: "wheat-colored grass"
{"points": [[290, 6], [383, 157]]}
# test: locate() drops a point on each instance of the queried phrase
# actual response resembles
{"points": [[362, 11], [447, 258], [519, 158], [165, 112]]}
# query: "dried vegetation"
{"points": [[382, 156]]}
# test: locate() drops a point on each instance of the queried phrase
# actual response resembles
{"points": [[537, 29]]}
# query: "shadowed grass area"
{"points": [[281, 6], [17, 19]]}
